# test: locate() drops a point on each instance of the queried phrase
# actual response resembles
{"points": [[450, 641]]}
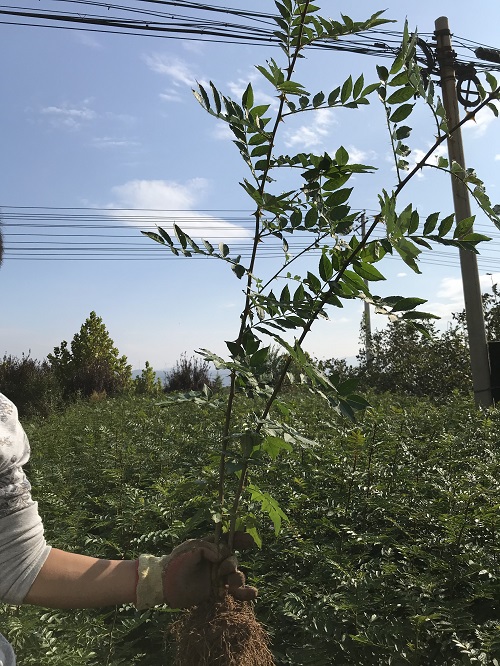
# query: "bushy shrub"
{"points": [[190, 374], [147, 383], [92, 363], [30, 384], [404, 361]]}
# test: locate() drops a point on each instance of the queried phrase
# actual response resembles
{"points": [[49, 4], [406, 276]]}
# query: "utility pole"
{"points": [[367, 317], [479, 359]]}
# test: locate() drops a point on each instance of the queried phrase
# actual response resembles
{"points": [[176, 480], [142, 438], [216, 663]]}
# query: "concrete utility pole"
{"points": [[479, 359], [367, 317]]}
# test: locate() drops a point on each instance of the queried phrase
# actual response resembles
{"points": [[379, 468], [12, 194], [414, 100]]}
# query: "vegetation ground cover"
{"points": [[389, 554]]}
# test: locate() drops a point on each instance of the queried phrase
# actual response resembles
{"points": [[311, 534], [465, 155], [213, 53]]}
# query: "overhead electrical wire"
{"points": [[258, 29]]}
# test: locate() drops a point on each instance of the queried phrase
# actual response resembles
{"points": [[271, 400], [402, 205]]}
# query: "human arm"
{"points": [[31, 572], [70, 580]]}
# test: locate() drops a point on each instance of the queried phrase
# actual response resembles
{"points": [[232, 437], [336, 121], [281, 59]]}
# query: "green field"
{"points": [[390, 554]]}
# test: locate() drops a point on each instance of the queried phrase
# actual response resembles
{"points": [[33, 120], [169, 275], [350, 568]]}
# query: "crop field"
{"points": [[389, 553]]}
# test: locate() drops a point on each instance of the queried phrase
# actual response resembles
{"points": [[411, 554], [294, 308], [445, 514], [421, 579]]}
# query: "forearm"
{"points": [[69, 580]]}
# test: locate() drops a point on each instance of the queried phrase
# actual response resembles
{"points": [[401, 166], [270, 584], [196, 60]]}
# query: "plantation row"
{"points": [[389, 555]]}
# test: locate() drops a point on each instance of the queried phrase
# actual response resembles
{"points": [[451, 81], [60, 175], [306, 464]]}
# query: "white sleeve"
{"points": [[23, 549]]}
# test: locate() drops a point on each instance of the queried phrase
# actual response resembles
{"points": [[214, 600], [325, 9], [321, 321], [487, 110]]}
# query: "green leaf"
{"points": [[325, 268], [290, 88], [238, 270], [181, 236], [407, 304], [367, 271], [382, 72], [313, 283], [259, 357], [202, 97], [342, 156], [333, 96], [346, 90], [224, 250], [402, 132], [464, 227], [401, 113], [318, 99], [401, 95], [358, 86], [408, 252], [430, 223], [258, 151], [270, 76], [216, 96], [446, 225], [274, 445], [269, 506], [247, 97]]}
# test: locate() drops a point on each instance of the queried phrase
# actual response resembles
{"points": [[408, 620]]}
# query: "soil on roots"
{"points": [[223, 633]]}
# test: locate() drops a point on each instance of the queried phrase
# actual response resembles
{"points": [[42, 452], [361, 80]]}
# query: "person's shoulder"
{"points": [[8, 410]]}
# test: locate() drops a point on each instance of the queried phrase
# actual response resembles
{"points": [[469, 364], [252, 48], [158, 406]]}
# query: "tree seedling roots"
{"points": [[221, 633]]}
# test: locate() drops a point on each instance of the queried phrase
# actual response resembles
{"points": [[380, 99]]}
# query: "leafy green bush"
{"points": [[404, 361], [92, 364], [389, 554], [30, 384], [147, 383], [191, 374]]}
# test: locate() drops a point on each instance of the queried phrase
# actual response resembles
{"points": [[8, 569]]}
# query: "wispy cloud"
{"points": [[481, 123], [238, 86], [113, 142], [222, 131], [162, 202], [418, 154], [180, 73], [357, 155], [88, 40], [69, 116], [315, 134]]}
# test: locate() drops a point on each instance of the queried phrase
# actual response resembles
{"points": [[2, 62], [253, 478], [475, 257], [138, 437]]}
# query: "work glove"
{"points": [[186, 577]]}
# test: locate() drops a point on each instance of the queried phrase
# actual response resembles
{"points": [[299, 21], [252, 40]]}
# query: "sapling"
{"points": [[284, 303]]}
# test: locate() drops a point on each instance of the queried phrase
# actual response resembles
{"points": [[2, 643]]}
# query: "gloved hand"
{"points": [[187, 574]]}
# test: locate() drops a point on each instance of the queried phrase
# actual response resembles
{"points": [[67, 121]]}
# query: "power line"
{"points": [[146, 22]]}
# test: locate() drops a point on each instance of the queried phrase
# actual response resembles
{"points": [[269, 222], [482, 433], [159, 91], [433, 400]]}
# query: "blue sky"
{"points": [[107, 121]]}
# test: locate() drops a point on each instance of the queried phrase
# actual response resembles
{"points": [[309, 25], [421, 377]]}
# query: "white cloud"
{"points": [[451, 295], [417, 155], [401, 275], [482, 120], [497, 157], [70, 117], [222, 131], [162, 202], [171, 95], [88, 40], [238, 87], [113, 142], [172, 66], [357, 156], [450, 291], [314, 134]]}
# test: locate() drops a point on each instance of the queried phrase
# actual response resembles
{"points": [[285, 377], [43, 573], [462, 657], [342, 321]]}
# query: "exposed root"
{"points": [[223, 633]]}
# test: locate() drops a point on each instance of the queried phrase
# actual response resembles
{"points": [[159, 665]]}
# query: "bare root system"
{"points": [[223, 633]]}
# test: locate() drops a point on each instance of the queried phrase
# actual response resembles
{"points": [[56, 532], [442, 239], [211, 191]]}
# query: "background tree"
{"points": [[30, 384], [92, 363], [406, 361], [147, 383]]}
